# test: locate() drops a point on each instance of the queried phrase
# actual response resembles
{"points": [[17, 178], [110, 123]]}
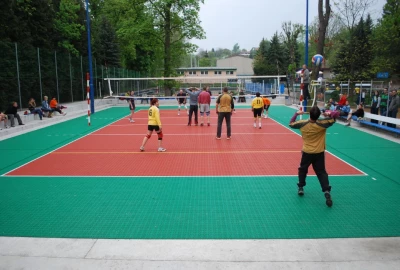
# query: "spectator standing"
{"points": [[375, 104], [384, 102], [393, 107], [12, 113]]}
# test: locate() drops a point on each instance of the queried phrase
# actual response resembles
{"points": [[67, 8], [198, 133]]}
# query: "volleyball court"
{"points": [[273, 150]]}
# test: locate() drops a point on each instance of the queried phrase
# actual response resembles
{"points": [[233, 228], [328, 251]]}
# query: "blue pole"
{"points": [[306, 47], [90, 58]]}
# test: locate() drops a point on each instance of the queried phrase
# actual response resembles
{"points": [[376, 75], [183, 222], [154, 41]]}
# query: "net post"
{"points": [[88, 95]]}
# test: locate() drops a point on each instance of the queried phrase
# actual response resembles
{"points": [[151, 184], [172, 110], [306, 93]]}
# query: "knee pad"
{"points": [[201, 113], [160, 136], [208, 113], [148, 136], [179, 106]]}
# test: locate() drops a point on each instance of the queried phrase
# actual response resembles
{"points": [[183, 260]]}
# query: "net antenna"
{"points": [[108, 81]]}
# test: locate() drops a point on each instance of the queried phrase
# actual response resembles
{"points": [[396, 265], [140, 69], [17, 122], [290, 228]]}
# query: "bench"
{"points": [[381, 119]]}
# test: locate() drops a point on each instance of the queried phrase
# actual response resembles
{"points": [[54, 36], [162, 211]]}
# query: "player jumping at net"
{"points": [[257, 106], [154, 124], [204, 101], [181, 101], [313, 132], [267, 103], [131, 102]]}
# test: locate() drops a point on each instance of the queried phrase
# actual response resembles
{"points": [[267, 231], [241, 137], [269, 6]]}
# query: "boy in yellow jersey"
{"points": [[154, 124], [257, 106], [267, 103], [313, 132]]}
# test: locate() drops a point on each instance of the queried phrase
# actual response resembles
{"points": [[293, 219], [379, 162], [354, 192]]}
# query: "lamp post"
{"points": [[306, 42], [90, 58]]}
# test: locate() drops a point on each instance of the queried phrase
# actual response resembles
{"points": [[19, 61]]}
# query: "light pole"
{"points": [[90, 58], [306, 41]]}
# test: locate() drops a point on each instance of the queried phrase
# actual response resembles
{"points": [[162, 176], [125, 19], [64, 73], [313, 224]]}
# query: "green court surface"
{"points": [[199, 207]]}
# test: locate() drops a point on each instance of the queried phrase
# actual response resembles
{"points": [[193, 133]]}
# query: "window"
{"points": [[180, 72], [192, 72], [204, 73], [217, 72], [229, 72]]}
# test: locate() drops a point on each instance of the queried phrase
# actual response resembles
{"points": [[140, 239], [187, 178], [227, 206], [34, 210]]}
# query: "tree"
{"points": [[105, 48], [290, 37], [68, 25], [260, 64], [351, 11], [236, 49], [323, 19], [354, 58], [177, 22], [386, 39], [276, 57]]}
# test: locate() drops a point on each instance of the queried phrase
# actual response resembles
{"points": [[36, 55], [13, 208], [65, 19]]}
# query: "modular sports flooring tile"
{"points": [[200, 207]]}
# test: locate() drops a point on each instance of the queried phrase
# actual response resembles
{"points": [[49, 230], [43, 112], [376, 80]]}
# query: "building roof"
{"points": [[206, 68]]}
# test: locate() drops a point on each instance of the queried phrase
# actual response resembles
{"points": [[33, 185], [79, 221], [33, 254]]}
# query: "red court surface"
{"points": [[191, 151]]}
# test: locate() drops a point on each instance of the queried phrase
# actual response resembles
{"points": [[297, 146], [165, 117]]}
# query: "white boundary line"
{"points": [[62, 146], [325, 150], [183, 134], [177, 176]]}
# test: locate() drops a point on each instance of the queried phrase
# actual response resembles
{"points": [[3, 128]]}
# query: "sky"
{"points": [[247, 22]]}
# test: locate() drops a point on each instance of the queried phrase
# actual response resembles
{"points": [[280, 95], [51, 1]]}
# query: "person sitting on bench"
{"points": [[55, 107], [12, 113], [32, 108], [359, 113], [46, 108]]}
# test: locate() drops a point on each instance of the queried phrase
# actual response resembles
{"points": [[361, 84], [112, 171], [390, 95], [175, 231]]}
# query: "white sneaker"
{"points": [[132, 121], [179, 114], [161, 149], [141, 148], [255, 125]]}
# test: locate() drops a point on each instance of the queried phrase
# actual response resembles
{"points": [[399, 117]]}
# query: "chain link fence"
{"points": [[28, 72]]}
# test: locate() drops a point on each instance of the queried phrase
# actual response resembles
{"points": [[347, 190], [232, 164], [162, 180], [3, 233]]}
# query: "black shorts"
{"points": [[181, 101], [257, 112], [266, 107], [132, 106], [151, 128]]}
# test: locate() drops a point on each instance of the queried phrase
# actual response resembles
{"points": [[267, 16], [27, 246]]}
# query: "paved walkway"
{"points": [[37, 253]]}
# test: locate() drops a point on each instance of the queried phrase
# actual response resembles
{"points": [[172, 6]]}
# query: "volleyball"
{"points": [[317, 59]]}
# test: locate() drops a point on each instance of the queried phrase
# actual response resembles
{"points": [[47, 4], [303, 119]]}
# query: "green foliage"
{"points": [[105, 47], [386, 39], [354, 58], [68, 25]]}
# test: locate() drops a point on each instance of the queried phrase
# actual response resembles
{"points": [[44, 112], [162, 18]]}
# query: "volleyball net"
{"points": [[241, 87]]}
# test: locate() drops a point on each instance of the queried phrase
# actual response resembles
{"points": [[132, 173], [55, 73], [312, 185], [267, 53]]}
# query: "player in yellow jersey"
{"points": [[154, 124], [257, 106]]}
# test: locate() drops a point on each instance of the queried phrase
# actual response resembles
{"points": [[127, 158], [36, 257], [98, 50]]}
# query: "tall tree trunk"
{"points": [[323, 25], [167, 49]]}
